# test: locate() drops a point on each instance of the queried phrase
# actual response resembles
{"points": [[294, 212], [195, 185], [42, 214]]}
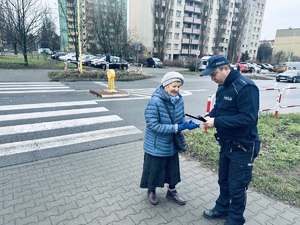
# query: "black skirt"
{"points": [[160, 170]]}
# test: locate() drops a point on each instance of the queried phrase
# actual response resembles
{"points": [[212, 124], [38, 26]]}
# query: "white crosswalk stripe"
{"points": [[34, 115], [34, 127], [62, 140], [21, 129], [32, 87], [52, 142]]}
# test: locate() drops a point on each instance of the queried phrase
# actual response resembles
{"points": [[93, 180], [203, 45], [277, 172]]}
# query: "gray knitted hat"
{"points": [[171, 77]]}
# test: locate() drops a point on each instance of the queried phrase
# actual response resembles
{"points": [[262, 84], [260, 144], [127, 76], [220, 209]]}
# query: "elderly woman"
{"points": [[161, 160]]}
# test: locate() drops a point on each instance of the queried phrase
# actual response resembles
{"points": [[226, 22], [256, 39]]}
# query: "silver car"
{"points": [[289, 75]]}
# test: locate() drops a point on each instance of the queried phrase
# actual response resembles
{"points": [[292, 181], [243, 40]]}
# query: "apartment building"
{"points": [[68, 23], [288, 41], [183, 33]]}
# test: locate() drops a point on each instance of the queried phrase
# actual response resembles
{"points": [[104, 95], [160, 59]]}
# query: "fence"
{"points": [[66, 68], [277, 106]]}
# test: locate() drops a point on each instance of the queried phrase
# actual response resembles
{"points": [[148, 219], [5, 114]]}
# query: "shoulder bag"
{"points": [[179, 139]]}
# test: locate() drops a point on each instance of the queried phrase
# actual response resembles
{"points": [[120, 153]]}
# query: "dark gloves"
{"points": [[192, 125], [188, 125]]}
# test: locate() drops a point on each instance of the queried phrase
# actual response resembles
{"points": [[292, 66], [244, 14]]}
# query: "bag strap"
{"points": [[169, 112]]}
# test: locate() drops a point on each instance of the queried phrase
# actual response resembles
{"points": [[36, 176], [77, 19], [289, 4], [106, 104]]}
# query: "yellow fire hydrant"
{"points": [[111, 80]]}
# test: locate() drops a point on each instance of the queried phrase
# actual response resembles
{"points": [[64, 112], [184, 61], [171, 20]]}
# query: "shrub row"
{"points": [[96, 75]]}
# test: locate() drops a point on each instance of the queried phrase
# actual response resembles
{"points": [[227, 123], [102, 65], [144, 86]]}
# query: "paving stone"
{"points": [[102, 187]]}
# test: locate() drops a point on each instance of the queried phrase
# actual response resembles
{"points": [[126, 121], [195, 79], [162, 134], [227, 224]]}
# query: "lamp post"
{"points": [[79, 41]]}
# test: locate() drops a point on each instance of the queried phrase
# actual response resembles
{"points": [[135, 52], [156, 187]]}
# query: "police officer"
{"points": [[235, 116]]}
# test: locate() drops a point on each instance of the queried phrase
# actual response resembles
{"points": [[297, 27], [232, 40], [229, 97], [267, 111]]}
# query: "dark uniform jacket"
{"points": [[236, 109]]}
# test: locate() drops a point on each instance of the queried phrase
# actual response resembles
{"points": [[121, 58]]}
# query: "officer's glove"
{"points": [[192, 125], [182, 126]]}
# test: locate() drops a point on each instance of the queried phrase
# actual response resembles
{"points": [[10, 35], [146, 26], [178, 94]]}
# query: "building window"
{"points": [[178, 13], [176, 46], [177, 24], [168, 46], [179, 2], [176, 35], [169, 35]]}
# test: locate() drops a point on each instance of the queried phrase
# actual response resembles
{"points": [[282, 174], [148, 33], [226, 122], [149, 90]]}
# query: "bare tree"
{"points": [[48, 37], [264, 52], [221, 24], [278, 57], [24, 16], [110, 26], [161, 19], [237, 29], [205, 12], [8, 32]]}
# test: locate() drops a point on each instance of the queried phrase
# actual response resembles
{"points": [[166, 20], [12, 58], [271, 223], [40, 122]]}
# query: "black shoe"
{"points": [[214, 214], [152, 198], [172, 194]]}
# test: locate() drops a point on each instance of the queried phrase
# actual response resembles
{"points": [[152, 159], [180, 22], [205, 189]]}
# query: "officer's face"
{"points": [[173, 88], [220, 74]]}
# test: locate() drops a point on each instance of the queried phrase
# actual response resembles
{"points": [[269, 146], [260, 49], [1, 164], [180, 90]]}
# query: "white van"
{"points": [[293, 64], [203, 63]]}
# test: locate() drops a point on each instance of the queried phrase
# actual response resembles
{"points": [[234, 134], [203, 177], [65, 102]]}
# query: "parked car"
{"points": [[289, 75], [280, 68], [86, 59], [154, 62], [244, 68], [67, 57], [263, 66], [58, 54], [115, 63], [250, 67], [269, 66], [93, 62]]}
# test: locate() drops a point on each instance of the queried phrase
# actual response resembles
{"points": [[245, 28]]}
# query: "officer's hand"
{"points": [[210, 122], [192, 125]]}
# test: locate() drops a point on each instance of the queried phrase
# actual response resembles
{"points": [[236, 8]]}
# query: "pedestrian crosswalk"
{"points": [[57, 126], [34, 127], [32, 87]]}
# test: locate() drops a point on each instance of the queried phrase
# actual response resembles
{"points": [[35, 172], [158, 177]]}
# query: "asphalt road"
{"points": [[41, 119]]}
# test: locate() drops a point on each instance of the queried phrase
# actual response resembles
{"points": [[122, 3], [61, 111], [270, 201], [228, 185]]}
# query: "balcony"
{"points": [[184, 51], [194, 51], [196, 31], [197, 10], [187, 30], [185, 41], [197, 20], [195, 41], [189, 8], [188, 19]]}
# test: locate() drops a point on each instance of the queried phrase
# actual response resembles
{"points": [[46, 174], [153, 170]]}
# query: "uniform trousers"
{"points": [[235, 174]]}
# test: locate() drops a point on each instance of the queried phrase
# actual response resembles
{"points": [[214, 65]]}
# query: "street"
{"points": [[41, 119]]}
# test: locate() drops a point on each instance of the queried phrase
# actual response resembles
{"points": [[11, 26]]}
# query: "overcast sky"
{"points": [[279, 14]]}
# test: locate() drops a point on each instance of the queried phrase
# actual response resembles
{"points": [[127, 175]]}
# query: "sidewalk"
{"points": [[102, 187]]}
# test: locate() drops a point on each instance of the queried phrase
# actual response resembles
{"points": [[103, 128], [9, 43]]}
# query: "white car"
{"points": [[96, 60], [67, 57]]}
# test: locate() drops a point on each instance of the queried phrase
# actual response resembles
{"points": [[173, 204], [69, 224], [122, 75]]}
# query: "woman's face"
{"points": [[173, 88]]}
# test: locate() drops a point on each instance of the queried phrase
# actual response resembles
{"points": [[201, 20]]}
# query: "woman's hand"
{"points": [[192, 125]]}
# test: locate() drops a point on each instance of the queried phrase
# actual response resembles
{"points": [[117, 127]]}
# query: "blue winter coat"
{"points": [[160, 130]]}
